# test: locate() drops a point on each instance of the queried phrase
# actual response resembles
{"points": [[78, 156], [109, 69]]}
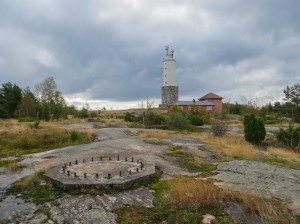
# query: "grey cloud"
{"points": [[113, 50]]}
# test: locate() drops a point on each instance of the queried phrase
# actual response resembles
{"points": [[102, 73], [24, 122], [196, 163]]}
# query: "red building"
{"points": [[210, 103], [214, 98]]}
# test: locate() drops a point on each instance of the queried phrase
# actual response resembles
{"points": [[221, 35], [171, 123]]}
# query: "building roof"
{"points": [[198, 103], [210, 96]]}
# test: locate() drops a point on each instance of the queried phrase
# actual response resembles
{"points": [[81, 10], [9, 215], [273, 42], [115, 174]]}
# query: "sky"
{"points": [[110, 53]]}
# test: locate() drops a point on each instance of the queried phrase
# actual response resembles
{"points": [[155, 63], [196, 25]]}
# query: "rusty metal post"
{"points": [[84, 175], [118, 157], [132, 159], [97, 175], [100, 158], [92, 159]]}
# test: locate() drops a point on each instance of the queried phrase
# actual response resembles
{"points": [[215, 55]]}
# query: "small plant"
{"points": [[219, 128], [254, 129], [34, 124], [74, 136]]}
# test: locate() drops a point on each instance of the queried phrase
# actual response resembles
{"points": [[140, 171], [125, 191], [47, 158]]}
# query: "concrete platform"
{"points": [[100, 173]]}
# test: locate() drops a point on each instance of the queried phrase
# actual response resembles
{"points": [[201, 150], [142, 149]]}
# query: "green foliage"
{"points": [[74, 136], [29, 105], [254, 129], [153, 118], [186, 161], [38, 140], [34, 124], [177, 120], [195, 120], [52, 104], [130, 117], [289, 136], [83, 113], [10, 97], [33, 187]]}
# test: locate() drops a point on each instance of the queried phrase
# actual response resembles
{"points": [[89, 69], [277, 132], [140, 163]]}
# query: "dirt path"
{"points": [[254, 177]]}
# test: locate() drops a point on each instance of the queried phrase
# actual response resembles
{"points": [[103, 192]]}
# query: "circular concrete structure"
{"points": [[101, 173]]}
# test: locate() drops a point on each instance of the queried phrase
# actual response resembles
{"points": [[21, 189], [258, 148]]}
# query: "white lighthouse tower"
{"points": [[169, 90]]}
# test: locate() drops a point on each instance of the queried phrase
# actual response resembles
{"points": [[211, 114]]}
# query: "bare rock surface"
{"points": [[83, 208], [261, 179]]}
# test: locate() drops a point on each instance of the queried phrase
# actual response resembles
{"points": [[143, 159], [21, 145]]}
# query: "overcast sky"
{"points": [[110, 53]]}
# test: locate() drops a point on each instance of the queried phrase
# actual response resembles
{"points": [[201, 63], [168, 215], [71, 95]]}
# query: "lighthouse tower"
{"points": [[169, 90]]}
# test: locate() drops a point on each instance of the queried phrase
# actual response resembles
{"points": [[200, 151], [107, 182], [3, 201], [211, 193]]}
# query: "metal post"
{"points": [[84, 175], [97, 176], [76, 162], [70, 164], [118, 157]]}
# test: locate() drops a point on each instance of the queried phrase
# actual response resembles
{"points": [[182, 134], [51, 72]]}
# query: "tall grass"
{"points": [[154, 134], [20, 139], [284, 153], [187, 192], [230, 146]]}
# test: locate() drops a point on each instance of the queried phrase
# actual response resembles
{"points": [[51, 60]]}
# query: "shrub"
{"points": [[34, 124], [177, 120], [152, 118], [254, 129], [74, 136], [195, 120], [129, 117], [219, 128], [289, 136]]}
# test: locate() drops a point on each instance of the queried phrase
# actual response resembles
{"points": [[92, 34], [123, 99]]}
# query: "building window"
{"points": [[209, 108]]}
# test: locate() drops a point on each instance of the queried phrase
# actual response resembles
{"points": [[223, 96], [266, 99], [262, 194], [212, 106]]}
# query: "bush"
{"points": [[195, 120], [289, 136], [152, 118], [34, 124], [254, 129], [177, 120], [219, 128], [74, 136], [129, 117]]}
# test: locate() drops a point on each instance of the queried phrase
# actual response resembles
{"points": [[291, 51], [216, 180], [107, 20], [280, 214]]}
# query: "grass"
{"points": [[18, 139], [154, 134], [235, 147], [11, 165], [283, 153], [155, 141], [187, 199], [191, 162], [34, 188]]}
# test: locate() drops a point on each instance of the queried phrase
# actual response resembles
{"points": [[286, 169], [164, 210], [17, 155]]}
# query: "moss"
{"points": [[187, 161], [34, 188], [164, 212]]}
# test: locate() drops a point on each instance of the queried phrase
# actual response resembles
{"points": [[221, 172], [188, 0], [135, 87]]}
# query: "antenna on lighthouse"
{"points": [[167, 49]]}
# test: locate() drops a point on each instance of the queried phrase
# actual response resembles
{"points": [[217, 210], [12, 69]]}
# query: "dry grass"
{"points": [[193, 193], [187, 192], [230, 146], [154, 134], [284, 153]]}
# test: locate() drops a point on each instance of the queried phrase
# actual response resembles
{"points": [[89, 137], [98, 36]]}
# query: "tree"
{"points": [[52, 103], [254, 129], [28, 106], [10, 97], [292, 94]]}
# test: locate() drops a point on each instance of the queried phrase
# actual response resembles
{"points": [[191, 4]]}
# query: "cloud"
{"points": [[112, 51]]}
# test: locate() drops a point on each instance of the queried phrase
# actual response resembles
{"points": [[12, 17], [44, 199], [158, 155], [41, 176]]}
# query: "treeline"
{"points": [[271, 112], [45, 102]]}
